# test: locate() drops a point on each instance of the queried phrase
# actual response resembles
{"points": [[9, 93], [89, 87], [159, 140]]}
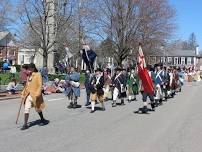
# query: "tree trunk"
{"points": [[45, 59], [120, 60]]}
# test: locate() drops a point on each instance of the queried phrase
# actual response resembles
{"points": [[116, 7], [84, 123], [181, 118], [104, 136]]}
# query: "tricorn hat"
{"points": [[32, 66]]}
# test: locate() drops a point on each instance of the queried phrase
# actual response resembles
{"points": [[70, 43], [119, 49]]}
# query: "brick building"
{"points": [[8, 50]]}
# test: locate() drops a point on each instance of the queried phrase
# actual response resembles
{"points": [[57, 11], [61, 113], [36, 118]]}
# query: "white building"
{"points": [[176, 57], [27, 56]]}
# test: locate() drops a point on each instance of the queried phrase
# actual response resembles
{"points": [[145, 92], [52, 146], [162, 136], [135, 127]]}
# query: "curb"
{"points": [[9, 98]]}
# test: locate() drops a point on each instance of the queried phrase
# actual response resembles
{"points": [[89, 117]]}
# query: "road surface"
{"points": [[176, 126]]}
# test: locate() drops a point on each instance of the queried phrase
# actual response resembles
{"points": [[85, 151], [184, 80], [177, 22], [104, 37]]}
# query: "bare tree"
{"points": [[45, 20], [129, 22], [5, 9], [192, 41]]}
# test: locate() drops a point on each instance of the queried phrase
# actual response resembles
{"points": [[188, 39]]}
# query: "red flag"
{"points": [[143, 73]]}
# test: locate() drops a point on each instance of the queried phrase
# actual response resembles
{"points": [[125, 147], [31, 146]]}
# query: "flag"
{"points": [[68, 53], [88, 56], [143, 73]]}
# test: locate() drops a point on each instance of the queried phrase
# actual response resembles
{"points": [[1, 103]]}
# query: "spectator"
{"points": [[12, 86], [24, 73]]}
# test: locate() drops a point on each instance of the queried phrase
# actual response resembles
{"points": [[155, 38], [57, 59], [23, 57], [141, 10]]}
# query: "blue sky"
{"points": [[188, 19]]}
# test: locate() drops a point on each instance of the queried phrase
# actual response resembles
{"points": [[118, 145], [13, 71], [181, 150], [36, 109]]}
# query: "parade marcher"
{"points": [[146, 94], [133, 85], [72, 89], [119, 82], [97, 92], [181, 75], [159, 82], [166, 85], [88, 79], [197, 76], [32, 96], [108, 82], [174, 82]]}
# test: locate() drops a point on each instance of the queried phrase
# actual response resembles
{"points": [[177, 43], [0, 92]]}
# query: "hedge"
{"points": [[5, 78]]}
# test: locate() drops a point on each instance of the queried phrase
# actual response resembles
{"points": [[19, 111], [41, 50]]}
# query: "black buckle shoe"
{"points": [[153, 106], [24, 127], [144, 109], [70, 106], [92, 111]]}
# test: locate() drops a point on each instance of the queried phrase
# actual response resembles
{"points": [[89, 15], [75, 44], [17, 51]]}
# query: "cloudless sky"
{"points": [[188, 19]]}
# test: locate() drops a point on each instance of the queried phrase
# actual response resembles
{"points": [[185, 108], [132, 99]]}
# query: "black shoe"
{"points": [[74, 105], [92, 111], [87, 104], [70, 106], [103, 109], [160, 102], [24, 127], [122, 103], [153, 106], [144, 109], [44, 122]]}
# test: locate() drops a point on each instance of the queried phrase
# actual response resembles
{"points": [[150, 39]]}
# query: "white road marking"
{"points": [[56, 99]]}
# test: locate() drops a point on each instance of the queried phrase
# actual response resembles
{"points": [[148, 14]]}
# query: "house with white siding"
{"points": [[175, 57]]}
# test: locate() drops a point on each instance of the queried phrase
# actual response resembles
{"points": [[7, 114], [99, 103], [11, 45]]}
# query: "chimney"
{"points": [[197, 50]]}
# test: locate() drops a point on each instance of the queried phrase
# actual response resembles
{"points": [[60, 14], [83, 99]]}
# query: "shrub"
{"points": [[5, 78]]}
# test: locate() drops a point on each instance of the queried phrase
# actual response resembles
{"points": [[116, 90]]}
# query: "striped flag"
{"points": [[68, 53], [143, 73]]}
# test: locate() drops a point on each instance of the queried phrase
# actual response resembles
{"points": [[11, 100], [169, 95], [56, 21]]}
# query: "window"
{"points": [[162, 59], [175, 60], [170, 60], [182, 60], [22, 59], [189, 61]]}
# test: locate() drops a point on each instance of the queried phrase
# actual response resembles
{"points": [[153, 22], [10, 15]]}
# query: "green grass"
{"points": [[5, 78]]}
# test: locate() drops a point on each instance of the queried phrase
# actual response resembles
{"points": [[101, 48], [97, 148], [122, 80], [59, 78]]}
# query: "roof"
{"points": [[176, 52], [3, 34], [181, 53]]}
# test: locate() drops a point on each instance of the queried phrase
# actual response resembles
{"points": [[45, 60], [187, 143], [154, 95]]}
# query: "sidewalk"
{"points": [[6, 96]]}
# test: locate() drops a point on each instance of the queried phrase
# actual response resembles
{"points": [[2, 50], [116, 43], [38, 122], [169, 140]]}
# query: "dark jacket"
{"points": [[119, 80], [98, 87]]}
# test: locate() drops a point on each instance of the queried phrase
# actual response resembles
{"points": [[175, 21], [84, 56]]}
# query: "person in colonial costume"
{"points": [[159, 82], [72, 89], [174, 82], [119, 83], [108, 82], [97, 92], [88, 79], [32, 96], [133, 85], [148, 94]]}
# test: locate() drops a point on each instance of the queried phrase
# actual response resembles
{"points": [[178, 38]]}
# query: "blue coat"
{"points": [[75, 76], [160, 78], [87, 83]]}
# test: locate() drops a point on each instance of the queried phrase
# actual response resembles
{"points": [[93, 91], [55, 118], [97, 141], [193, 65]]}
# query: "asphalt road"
{"points": [[176, 126]]}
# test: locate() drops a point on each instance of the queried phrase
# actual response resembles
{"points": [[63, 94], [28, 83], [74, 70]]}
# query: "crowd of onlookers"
{"points": [[187, 74]]}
